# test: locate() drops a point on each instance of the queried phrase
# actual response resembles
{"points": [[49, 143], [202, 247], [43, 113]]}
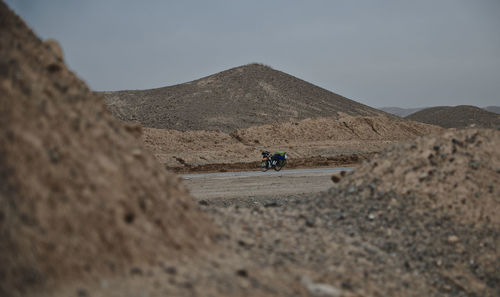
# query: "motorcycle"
{"points": [[276, 161]]}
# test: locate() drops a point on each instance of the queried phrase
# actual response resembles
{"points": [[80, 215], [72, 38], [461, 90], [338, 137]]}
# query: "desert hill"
{"points": [[461, 116], [237, 98], [79, 197]]}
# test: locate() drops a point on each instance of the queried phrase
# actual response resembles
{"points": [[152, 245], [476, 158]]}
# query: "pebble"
{"points": [[171, 270], [310, 222], [423, 176], [474, 164], [453, 239], [82, 293], [242, 272], [335, 179], [320, 290], [271, 204]]}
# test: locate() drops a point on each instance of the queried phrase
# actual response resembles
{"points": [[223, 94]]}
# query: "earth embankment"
{"points": [[309, 143]]}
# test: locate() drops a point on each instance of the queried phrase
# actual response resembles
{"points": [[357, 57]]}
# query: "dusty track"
{"points": [[253, 184]]}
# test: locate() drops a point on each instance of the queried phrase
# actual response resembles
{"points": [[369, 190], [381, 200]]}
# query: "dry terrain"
{"points": [[85, 210], [461, 116], [254, 186], [309, 143]]}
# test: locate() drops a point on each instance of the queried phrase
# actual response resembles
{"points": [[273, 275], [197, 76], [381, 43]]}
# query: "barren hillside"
{"points": [[237, 98], [461, 116]]}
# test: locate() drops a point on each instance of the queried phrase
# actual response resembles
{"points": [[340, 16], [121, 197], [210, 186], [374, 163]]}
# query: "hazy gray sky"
{"points": [[381, 53]]}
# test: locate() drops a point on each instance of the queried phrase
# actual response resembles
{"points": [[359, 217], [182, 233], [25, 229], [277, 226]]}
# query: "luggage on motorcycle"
{"points": [[279, 155]]}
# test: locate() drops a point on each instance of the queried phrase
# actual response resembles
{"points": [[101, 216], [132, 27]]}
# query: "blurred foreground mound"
{"points": [[434, 204], [78, 197], [457, 173]]}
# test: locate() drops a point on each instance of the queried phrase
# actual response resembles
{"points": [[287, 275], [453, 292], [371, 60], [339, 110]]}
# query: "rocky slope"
{"points": [[237, 98], [461, 116]]}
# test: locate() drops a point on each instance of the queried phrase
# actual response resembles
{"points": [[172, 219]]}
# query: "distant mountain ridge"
{"points": [[461, 116], [237, 98], [400, 112], [495, 109], [403, 112]]}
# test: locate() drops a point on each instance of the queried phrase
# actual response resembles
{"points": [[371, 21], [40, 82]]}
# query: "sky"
{"points": [[380, 53]]}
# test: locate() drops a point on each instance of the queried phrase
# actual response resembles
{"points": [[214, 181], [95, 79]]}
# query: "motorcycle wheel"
{"points": [[264, 167], [280, 165]]}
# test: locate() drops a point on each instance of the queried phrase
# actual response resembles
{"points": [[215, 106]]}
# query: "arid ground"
{"points": [[89, 205]]}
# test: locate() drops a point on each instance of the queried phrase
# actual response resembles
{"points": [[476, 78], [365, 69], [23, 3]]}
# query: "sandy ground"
{"points": [[253, 184]]}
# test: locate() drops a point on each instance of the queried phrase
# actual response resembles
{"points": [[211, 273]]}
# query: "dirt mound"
{"points": [[318, 141], [78, 196], [461, 116], [433, 203], [233, 99], [457, 172]]}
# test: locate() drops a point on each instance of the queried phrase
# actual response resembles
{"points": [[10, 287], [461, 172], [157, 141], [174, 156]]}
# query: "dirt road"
{"points": [[257, 184]]}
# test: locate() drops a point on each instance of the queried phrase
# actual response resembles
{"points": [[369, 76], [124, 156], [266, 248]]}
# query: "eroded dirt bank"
{"points": [[325, 142]]}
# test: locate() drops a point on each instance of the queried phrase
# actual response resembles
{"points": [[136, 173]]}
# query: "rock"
{"points": [[55, 48], [320, 290], [135, 271], [242, 272], [453, 239], [423, 176], [474, 164], [82, 293], [171, 270], [203, 202], [371, 217], [271, 204], [335, 178], [310, 222]]}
